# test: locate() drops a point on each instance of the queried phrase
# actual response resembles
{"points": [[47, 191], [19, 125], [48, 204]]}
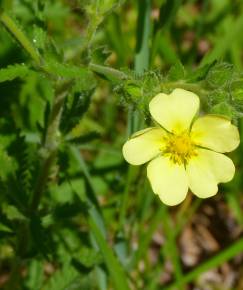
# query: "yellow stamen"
{"points": [[180, 148]]}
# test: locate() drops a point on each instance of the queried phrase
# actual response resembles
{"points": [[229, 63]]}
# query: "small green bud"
{"points": [[133, 90]]}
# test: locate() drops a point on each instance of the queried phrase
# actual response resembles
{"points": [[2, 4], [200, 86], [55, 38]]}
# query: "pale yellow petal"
{"points": [[174, 112], [168, 180], [206, 170], [216, 133], [144, 145]]}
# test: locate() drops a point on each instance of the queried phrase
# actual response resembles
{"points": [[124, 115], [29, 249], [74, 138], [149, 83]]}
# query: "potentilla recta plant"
{"points": [[184, 151]]}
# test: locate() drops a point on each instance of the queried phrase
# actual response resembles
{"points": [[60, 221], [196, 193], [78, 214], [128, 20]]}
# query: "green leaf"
{"points": [[40, 37], [168, 12], [85, 138], [116, 271], [7, 164], [40, 237], [66, 278], [224, 43], [224, 255], [104, 6], [100, 54], [77, 103], [82, 74], [89, 257], [200, 73], [107, 72], [237, 90], [13, 71], [25, 160], [224, 109], [35, 276], [220, 75], [143, 36], [177, 72], [4, 228], [12, 212], [218, 96], [69, 210]]}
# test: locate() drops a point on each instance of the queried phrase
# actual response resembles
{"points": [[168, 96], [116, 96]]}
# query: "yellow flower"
{"points": [[183, 152]]}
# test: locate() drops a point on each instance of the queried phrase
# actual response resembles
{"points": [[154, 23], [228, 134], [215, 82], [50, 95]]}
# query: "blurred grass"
{"points": [[137, 237]]}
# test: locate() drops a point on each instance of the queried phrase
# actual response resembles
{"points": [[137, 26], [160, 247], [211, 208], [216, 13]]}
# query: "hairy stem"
{"points": [[11, 26], [50, 146]]}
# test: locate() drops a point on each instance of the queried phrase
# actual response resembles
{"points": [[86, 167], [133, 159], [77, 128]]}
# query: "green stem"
{"points": [[171, 249], [216, 261], [50, 147], [141, 64], [116, 271], [146, 237], [91, 30], [143, 36], [124, 199], [42, 180], [94, 211], [11, 26], [183, 217]]}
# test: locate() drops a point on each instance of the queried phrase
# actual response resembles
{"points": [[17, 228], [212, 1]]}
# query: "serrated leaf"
{"points": [[200, 73], [13, 71], [84, 75], [24, 157], [177, 72], [12, 212], [218, 96], [219, 75], [89, 257], [41, 239], [75, 107], [65, 211], [66, 278]]}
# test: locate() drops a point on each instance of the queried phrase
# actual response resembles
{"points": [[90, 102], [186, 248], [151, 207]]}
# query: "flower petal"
{"points": [[206, 170], [174, 112], [168, 180], [216, 133], [144, 145]]}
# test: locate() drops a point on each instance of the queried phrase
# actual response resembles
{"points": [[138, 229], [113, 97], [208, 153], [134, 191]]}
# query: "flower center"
{"points": [[180, 148]]}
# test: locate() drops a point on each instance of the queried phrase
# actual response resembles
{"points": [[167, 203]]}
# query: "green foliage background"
{"points": [[76, 78]]}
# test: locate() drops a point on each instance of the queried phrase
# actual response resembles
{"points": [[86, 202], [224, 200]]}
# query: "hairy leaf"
{"points": [[13, 71], [82, 74]]}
